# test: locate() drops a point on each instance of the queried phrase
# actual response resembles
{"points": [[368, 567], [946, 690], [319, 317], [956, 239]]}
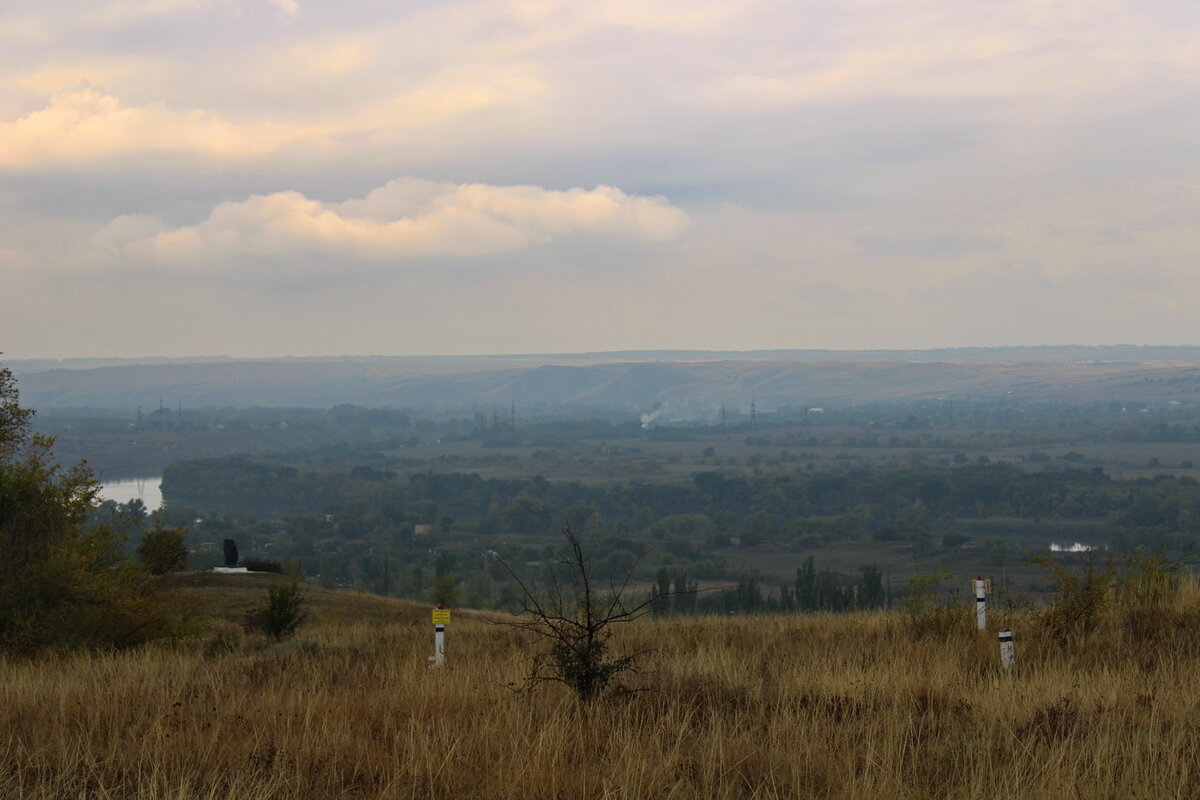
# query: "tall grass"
{"points": [[836, 706]]}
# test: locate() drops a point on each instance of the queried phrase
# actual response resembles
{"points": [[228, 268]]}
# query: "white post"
{"points": [[439, 646], [981, 603], [1008, 658], [441, 616]]}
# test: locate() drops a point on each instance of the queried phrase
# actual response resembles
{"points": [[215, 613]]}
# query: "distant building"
{"points": [[422, 530]]}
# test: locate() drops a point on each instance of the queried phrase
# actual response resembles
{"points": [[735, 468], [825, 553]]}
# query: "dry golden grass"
{"points": [[816, 706], [234, 597]]}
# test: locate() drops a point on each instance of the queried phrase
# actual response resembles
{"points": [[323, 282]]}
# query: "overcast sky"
{"points": [[293, 177]]}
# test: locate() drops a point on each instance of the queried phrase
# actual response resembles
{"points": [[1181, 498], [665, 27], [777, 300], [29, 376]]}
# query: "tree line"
{"points": [[857, 503]]}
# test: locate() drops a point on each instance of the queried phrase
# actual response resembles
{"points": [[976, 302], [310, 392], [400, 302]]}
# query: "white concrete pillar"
{"points": [[1008, 659], [981, 603]]}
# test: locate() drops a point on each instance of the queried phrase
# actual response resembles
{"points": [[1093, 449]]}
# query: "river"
{"points": [[125, 489]]}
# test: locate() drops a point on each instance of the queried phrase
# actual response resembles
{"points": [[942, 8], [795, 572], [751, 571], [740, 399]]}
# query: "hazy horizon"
{"points": [[706, 354]]}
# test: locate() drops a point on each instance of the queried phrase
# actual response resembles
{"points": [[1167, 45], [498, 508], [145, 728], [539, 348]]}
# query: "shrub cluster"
{"points": [[65, 580]]}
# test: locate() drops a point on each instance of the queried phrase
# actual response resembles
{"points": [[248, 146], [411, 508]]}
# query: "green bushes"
{"points": [[162, 550], [1080, 600], [1147, 598], [283, 611], [65, 581], [934, 610], [1137, 593]]}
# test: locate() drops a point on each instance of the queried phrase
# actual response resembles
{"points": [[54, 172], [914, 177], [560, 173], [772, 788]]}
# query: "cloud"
{"points": [[1018, 54], [15, 258], [924, 244], [121, 13], [407, 218], [84, 123]]}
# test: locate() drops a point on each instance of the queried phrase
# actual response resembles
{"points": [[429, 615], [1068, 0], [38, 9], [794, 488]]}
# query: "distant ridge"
{"points": [[1114, 353], [689, 384]]}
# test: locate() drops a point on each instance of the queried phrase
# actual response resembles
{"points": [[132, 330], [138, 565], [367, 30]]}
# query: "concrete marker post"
{"points": [[1008, 659], [981, 603], [441, 616]]}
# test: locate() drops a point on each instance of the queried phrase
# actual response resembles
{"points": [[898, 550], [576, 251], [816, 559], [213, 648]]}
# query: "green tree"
{"points": [[162, 550], [526, 514], [283, 611], [685, 594], [444, 590], [14, 420], [873, 595], [65, 580], [807, 596], [660, 594]]}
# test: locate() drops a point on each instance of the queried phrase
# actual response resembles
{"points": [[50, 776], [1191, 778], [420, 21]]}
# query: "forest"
{"points": [[748, 535]]}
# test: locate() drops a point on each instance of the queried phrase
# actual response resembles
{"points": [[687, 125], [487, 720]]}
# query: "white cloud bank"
{"points": [[83, 123], [406, 218]]}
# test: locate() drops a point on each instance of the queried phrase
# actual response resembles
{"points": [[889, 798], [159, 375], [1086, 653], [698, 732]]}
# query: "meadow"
{"points": [[856, 705]]}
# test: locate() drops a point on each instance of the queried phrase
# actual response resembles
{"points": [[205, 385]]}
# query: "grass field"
{"points": [[824, 706]]}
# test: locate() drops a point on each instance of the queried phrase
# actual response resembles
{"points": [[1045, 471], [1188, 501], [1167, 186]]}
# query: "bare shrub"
{"points": [[576, 619]]}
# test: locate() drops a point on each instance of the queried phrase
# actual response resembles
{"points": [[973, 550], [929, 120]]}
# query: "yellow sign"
{"points": [[441, 616]]}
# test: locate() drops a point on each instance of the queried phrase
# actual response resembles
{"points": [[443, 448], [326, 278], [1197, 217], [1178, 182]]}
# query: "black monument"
{"points": [[231, 553]]}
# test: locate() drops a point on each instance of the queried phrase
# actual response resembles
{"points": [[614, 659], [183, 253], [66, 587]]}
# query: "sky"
{"points": [[294, 177]]}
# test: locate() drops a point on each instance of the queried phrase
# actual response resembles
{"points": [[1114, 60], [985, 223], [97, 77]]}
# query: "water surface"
{"points": [[123, 490]]}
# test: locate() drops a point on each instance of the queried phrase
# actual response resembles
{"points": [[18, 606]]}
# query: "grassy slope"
{"points": [[232, 597], [851, 706]]}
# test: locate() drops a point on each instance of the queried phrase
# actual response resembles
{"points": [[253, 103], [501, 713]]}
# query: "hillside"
{"points": [[820, 705], [685, 387], [233, 597]]}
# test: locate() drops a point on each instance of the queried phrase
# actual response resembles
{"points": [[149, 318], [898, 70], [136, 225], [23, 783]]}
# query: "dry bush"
{"points": [[1081, 599], [1140, 598], [935, 610], [576, 618]]}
